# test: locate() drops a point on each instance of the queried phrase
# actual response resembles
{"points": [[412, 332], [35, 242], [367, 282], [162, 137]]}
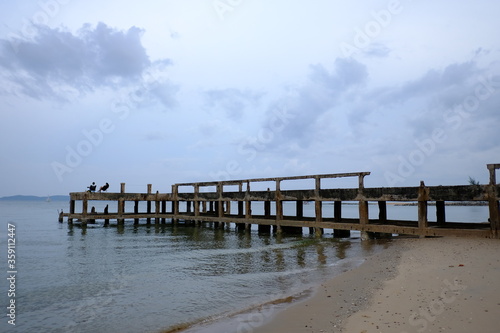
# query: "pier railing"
{"points": [[212, 202]]}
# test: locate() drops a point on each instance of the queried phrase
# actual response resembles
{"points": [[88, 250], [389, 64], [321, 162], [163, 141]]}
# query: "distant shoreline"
{"points": [[35, 198]]}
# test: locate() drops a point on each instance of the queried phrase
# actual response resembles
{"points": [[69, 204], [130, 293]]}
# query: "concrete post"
{"points": [[382, 211], [423, 197], [136, 211], [440, 213], [337, 211], [121, 208], [248, 203], [279, 203], [148, 208], [492, 169], [318, 206], [157, 209], [493, 203], [71, 210], [267, 208], [122, 187], [196, 200], [163, 211], [299, 209], [220, 190], [84, 208]]}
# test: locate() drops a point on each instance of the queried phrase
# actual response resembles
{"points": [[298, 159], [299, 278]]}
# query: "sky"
{"points": [[164, 92]]}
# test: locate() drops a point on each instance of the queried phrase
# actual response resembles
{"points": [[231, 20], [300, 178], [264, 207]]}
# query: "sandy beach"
{"points": [[416, 285]]}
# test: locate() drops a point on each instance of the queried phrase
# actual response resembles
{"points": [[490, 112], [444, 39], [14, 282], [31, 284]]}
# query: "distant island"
{"points": [[35, 198]]}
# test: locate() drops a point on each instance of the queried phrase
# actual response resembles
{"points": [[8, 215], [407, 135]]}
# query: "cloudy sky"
{"points": [[174, 91]]}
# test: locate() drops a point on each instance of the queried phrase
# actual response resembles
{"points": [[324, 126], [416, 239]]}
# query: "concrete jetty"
{"points": [[231, 202]]}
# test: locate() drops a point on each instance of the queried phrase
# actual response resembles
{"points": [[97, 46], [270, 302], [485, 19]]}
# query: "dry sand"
{"points": [[416, 285]]}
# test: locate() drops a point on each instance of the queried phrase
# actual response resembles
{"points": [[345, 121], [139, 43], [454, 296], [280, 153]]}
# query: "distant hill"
{"points": [[35, 198]]}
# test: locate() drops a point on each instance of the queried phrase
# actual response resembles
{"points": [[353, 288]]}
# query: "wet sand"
{"points": [[416, 285]]}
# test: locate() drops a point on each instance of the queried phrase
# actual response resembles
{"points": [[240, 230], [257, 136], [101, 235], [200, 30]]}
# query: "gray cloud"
{"points": [[376, 50], [233, 101], [412, 110], [55, 60], [324, 92]]}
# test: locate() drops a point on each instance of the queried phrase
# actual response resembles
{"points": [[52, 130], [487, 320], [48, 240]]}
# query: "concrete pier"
{"points": [[224, 207]]}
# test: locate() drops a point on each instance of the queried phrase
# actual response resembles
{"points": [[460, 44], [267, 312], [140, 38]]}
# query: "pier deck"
{"points": [[231, 201]]}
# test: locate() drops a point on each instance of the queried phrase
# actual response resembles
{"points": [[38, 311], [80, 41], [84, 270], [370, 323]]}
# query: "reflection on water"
{"points": [[200, 272]]}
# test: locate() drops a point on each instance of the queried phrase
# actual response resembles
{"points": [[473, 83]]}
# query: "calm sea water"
{"points": [[153, 278]]}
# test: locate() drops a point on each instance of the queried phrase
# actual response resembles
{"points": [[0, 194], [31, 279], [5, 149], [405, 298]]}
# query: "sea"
{"points": [[159, 278]]}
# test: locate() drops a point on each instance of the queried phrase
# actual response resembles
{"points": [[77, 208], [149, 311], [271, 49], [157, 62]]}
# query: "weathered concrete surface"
{"points": [[214, 206]]}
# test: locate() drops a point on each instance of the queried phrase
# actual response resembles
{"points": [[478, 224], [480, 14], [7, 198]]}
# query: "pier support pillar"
{"points": [[291, 230], [240, 226], [337, 211], [136, 211], [318, 232], [157, 211], [338, 233], [366, 235], [264, 228], [364, 219], [71, 210], [423, 197], [440, 213], [318, 210], [299, 209], [163, 211], [248, 209], [382, 211], [148, 210], [121, 207], [267, 209], [240, 209], [196, 207], [382, 218]]}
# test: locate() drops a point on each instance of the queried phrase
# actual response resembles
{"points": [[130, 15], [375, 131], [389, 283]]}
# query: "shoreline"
{"points": [[416, 285], [256, 315], [335, 300], [413, 285]]}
